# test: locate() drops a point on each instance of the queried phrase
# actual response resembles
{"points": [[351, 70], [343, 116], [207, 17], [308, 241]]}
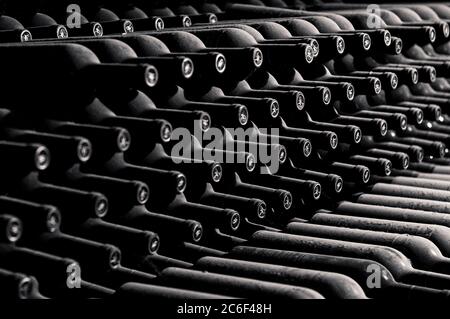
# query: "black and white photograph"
{"points": [[224, 157]]}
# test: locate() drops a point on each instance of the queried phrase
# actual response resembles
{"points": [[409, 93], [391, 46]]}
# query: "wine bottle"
{"points": [[94, 29], [163, 184], [120, 192], [65, 150], [125, 238], [24, 157], [90, 73], [11, 228], [327, 140], [139, 217], [358, 174], [403, 202], [19, 35], [397, 263], [138, 290], [437, 234], [89, 204], [287, 99], [100, 262], [303, 190], [415, 152], [105, 140], [197, 171], [414, 115], [252, 208], [18, 286], [298, 148], [225, 219], [35, 218], [331, 285], [399, 160], [232, 285], [355, 268], [431, 111], [422, 252], [332, 184], [55, 274], [146, 23], [280, 200], [396, 121], [350, 134]]}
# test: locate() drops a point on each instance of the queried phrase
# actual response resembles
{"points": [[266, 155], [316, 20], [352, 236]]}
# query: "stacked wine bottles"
{"points": [[210, 149]]}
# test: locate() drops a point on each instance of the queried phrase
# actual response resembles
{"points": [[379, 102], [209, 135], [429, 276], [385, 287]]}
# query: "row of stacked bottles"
{"points": [[222, 150]]}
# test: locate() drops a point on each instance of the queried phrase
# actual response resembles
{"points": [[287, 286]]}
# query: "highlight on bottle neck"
{"points": [[300, 100], [205, 122], [114, 257], [123, 140], [142, 193], [25, 36], [445, 29], [101, 205], [431, 31], [340, 44], [286, 199], [186, 21], [334, 140], [387, 37], [398, 45], [365, 175], [13, 230], [42, 158], [61, 32], [97, 30], [243, 115], [258, 57], [382, 124], [307, 148], [309, 54], [166, 132], [181, 182], [376, 85], [357, 135], [187, 68], [388, 168], [432, 73], [393, 80], [338, 185], [282, 154], [84, 150], [212, 18], [25, 288], [128, 26], [151, 76], [154, 244], [350, 91], [261, 209], [53, 219], [220, 63], [250, 162], [274, 109], [326, 96], [197, 232], [316, 190], [216, 172], [159, 24], [235, 220], [414, 75], [366, 41]]}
